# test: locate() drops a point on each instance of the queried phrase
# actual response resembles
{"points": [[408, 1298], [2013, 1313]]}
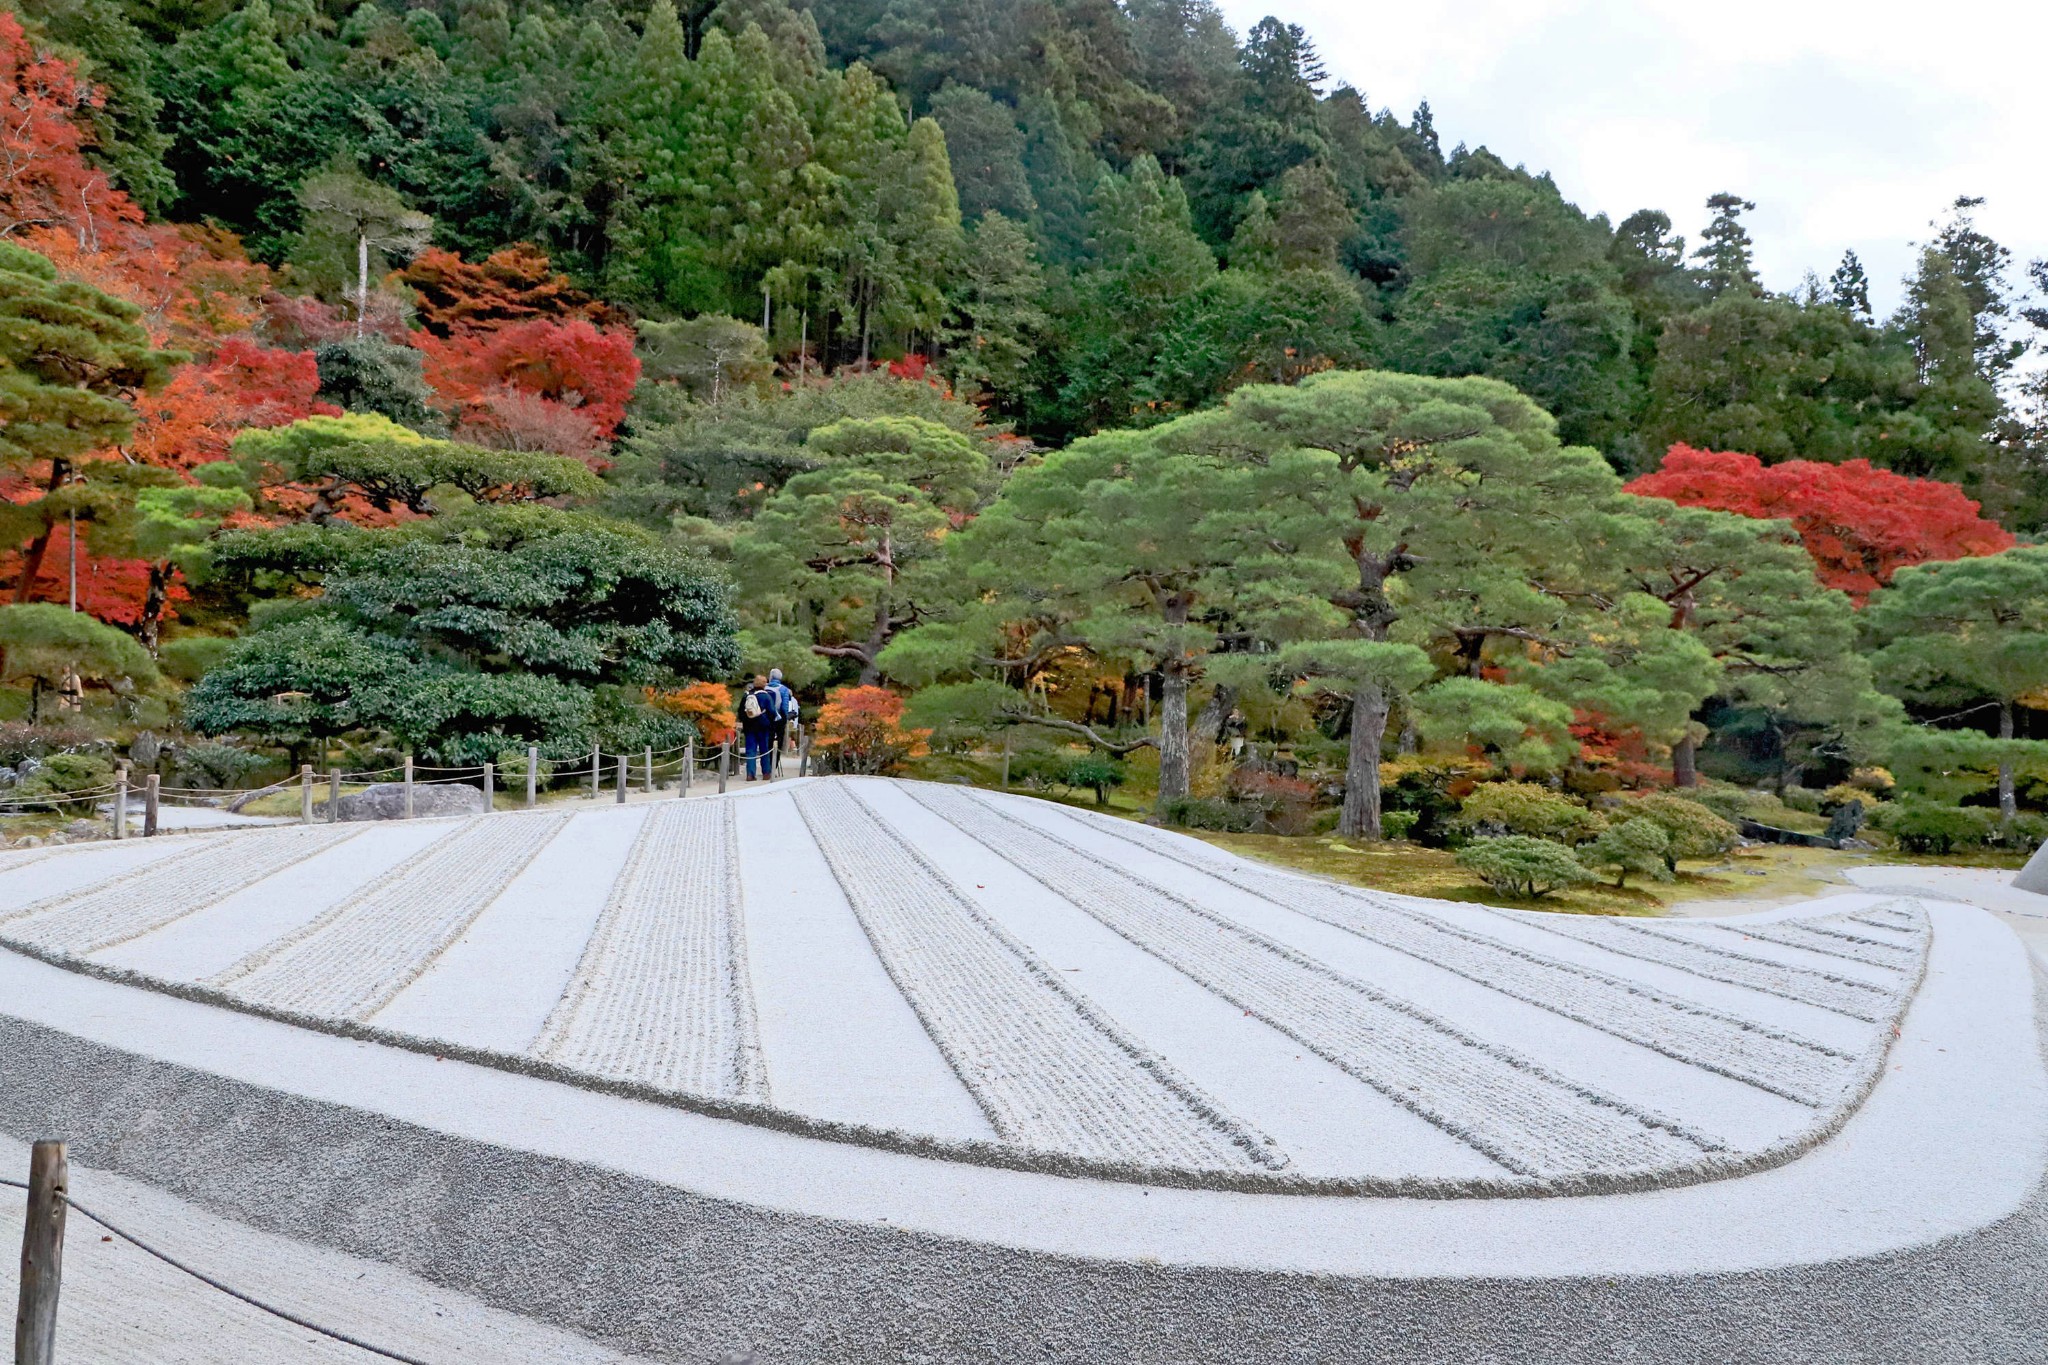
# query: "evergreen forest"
{"points": [[1072, 393]]}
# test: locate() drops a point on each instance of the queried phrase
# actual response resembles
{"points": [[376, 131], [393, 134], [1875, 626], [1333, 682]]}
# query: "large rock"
{"points": [[2034, 876], [386, 801]]}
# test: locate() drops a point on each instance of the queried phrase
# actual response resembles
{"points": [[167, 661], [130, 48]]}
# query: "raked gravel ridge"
{"points": [[993, 1022]]}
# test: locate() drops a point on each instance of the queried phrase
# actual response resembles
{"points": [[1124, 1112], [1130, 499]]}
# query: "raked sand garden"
{"points": [[856, 1069]]}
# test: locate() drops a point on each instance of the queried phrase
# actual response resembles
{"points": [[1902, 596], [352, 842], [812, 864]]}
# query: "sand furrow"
{"points": [[1816, 939], [353, 958], [1049, 1070], [1771, 1059], [1531, 1120], [1840, 994], [152, 896], [661, 994]]}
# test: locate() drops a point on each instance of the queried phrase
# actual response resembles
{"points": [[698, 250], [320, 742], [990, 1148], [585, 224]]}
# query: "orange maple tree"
{"points": [[1861, 524], [513, 284], [862, 729], [707, 704]]}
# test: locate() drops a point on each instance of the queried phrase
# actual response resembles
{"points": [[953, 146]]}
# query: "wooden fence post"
{"points": [[149, 806], [490, 787], [724, 764], [408, 786], [333, 795], [647, 755], [622, 779], [532, 773], [803, 756], [305, 793], [689, 764], [121, 803], [42, 1255], [596, 770]]}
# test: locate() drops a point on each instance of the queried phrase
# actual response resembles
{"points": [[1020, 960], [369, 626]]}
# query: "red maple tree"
{"points": [[45, 180], [574, 364], [1861, 524], [513, 284]]}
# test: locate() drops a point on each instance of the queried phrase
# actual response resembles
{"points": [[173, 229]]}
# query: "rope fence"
{"points": [[61, 1198]]}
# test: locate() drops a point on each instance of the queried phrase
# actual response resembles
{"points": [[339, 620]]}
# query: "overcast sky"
{"points": [[1851, 125]]}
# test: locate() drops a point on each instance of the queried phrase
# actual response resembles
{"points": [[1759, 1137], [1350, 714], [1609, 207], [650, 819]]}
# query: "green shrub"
{"points": [[63, 774], [1732, 804], [1202, 812], [1805, 800], [1922, 826], [213, 764], [1397, 824], [1097, 772], [2024, 834], [1637, 844], [1519, 865], [1690, 829], [189, 657], [1528, 809], [1282, 803]]}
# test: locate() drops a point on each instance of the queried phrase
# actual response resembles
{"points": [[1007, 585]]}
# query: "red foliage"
{"points": [[508, 419], [300, 320], [1612, 756], [571, 363], [513, 284], [45, 181], [110, 589], [192, 419], [912, 366], [1860, 524]]}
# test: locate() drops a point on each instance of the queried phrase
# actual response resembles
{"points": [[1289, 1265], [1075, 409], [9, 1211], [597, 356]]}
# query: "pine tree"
{"points": [[1849, 287], [1725, 247], [997, 327]]}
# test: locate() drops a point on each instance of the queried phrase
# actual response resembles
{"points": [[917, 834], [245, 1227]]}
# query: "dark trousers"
{"points": [[758, 739], [778, 740]]}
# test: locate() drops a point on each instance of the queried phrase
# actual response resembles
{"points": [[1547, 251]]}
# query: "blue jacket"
{"points": [[785, 701]]}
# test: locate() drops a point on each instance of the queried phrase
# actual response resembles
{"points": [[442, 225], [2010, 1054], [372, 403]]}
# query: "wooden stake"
{"points": [[532, 773], [724, 764], [689, 764], [803, 761], [333, 796], [121, 803], [306, 793], [490, 787], [408, 786], [622, 779], [648, 756], [149, 807], [42, 1255], [596, 770]]}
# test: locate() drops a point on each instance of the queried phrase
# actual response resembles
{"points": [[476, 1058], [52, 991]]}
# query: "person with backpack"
{"points": [[786, 712], [757, 708]]}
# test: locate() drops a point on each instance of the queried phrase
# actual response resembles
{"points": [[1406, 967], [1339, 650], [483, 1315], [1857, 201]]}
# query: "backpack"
{"points": [[751, 707]]}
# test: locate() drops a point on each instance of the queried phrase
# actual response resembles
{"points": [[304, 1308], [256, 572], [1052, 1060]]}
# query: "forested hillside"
{"points": [[432, 376]]}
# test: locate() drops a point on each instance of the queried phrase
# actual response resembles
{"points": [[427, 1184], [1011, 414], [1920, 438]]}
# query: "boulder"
{"points": [[386, 801]]}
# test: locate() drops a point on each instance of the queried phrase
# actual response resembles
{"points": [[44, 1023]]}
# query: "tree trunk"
{"points": [[32, 561], [1684, 762], [1173, 736], [35, 700], [2008, 805], [1209, 727], [362, 281], [1361, 816], [153, 606]]}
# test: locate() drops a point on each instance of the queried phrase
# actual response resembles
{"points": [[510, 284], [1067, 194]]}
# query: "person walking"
{"points": [[757, 728], [786, 711]]}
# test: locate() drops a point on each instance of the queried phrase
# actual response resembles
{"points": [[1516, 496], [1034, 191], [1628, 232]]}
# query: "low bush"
{"points": [[1636, 845], [1202, 812], [61, 775], [1282, 803], [1519, 865], [1690, 829], [1526, 808], [1097, 772], [19, 740], [1805, 800], [1397, 824], [1921, 826], [213, 764], [2024, 834]]}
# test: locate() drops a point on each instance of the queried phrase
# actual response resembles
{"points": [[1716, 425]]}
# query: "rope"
{"points": [[228, 1290]]}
